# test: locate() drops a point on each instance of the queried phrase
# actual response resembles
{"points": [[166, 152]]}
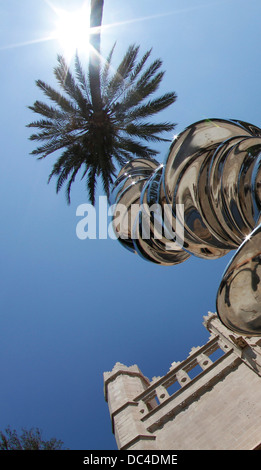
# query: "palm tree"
{"points": [[99, 122]]}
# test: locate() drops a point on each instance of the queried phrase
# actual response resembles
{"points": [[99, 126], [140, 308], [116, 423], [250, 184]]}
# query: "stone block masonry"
{"points": [[209, 401]]}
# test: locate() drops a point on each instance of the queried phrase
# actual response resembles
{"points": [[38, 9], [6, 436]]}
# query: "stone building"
{"points": [[211, 400]]}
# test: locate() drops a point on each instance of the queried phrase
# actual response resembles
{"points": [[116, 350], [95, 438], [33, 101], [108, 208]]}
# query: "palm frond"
{"points": [[134, 147], [71, 181], [142, 111], [91, 184], [57, 167], [148, 131], [67, 166], [150, 72], [47, 111], [106, 69], [152, 107], [106, 180], [142, 90], [52, 146], [69, 84], [118, 81], [81, 76], [65, 104], [140, 66], [41, 124], [121, 156]]}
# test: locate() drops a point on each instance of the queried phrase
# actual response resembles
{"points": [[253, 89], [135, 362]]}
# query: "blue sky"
{"points": [[71, 308]]}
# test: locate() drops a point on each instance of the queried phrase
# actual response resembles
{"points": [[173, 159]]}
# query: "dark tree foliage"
{"points": [[28, 440]]}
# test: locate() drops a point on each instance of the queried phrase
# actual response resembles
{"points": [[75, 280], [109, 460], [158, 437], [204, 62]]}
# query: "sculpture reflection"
{"points": [[213, 171]]}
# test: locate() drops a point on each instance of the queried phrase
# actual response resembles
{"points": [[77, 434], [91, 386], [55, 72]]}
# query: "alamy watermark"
{"points": [[101, 223]]}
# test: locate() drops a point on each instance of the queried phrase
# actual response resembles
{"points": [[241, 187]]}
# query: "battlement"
{"points": [[156, 414]]}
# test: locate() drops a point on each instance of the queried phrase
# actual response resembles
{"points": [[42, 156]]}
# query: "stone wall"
{"points": [[211, 400]]}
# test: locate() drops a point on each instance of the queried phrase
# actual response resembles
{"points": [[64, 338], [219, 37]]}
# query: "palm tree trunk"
{"points": [[94, 59]]}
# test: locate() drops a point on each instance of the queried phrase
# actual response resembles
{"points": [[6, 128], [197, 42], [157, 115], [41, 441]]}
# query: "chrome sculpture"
{"points": [[213, 171]]}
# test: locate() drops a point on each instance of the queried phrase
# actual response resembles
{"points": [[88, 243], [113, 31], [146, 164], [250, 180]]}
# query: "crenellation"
{"points": [[155, 379], [174, 364], [193, 350], [218, 408]]}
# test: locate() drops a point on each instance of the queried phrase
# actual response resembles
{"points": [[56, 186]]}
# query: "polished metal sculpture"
{"points": [[213, 172]]}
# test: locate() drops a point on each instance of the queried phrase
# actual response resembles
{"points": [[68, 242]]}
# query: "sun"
{"points": [[72, 30]]}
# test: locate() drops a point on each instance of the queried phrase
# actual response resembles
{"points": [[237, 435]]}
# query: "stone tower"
{"points": [[211, 400]]}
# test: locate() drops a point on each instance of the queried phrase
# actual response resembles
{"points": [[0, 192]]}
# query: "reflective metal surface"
{"points": [[239, 294], [204, 201]]}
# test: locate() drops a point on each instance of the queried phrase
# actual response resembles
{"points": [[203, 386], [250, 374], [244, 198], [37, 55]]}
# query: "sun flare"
{"points": [[72, 30]]}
